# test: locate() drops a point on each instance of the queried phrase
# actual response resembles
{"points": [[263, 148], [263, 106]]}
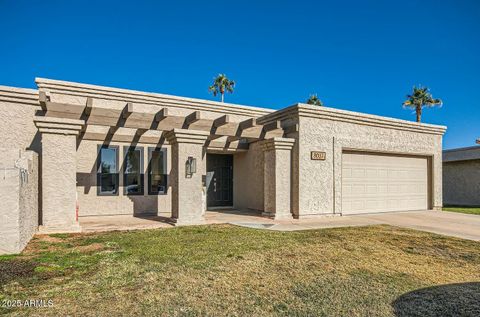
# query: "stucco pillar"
{"points": [[277, 177], [187, 190], [58, 170]]}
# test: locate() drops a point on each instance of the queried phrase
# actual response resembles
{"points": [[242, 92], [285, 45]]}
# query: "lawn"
{"points": [[226, 270], [465, 210]]}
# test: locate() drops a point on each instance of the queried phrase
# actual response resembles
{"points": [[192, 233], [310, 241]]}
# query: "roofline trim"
{"points": [[305, 110], [460, 149], [103, 92], [19, 95]]}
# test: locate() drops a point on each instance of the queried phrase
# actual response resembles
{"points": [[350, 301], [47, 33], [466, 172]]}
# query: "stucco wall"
{"points": [[319, 188], [248, 178], [461, 183], [17, 130], [90, 204], [18, 200]]}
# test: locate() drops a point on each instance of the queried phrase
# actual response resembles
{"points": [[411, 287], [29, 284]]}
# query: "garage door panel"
{"points": [[378, 183]]}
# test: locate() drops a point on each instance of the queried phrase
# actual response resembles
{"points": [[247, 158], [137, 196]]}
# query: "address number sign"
{"points": [[318, 156]]}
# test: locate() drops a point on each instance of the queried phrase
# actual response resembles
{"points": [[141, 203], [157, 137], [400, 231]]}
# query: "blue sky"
{"points": [[356, 55]]}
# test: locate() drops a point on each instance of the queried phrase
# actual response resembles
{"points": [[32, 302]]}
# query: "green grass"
{"points": [[226, 270], [465, 210]]}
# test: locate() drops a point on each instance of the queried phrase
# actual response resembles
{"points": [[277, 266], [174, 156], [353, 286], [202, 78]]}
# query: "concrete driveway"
{"points": [[441, 222]]}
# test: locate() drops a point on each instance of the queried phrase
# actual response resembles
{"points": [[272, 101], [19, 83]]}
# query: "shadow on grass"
{"points": [[461, 299], [15, 269]]}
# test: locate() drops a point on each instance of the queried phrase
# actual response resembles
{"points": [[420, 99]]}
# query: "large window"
{"points": [[157, 171], [107, 170], [133, 170]]}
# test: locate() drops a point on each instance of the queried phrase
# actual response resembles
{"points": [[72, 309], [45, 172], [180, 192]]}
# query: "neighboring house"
{"points": [[116, 151], [461, 176]]}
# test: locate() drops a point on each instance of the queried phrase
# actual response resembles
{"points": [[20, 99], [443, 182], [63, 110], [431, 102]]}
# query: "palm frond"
{"points": [[221, 84], [421, 97]]}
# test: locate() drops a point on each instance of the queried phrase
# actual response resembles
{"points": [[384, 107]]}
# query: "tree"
{"points": [[420, 98], [313, 100], [221, 84]]}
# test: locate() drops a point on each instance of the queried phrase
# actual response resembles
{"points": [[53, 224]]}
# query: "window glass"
{"points": [[133, 171], [157, 177], [107, 174]]}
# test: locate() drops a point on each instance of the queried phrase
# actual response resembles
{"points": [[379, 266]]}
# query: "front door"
{"points": [[219, 180]]}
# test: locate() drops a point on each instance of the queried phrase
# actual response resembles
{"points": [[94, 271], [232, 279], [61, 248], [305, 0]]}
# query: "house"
{"points": [[106, 151], [461, 176]]}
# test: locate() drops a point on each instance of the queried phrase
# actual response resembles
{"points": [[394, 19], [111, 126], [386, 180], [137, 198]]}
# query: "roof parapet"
{"points": [[305, 110]]}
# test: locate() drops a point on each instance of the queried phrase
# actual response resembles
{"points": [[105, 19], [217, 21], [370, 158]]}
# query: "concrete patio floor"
{"points": [[440, 222]]}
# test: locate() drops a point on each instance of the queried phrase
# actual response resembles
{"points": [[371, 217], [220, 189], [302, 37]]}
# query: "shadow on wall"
{"points": [[461, 299]]}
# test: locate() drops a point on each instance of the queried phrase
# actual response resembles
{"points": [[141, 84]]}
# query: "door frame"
{"points": [[207, 183]]}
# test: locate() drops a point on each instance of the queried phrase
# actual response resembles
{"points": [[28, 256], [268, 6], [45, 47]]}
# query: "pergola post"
{"points": [[58, 168], [187, 189], [277, 177]]}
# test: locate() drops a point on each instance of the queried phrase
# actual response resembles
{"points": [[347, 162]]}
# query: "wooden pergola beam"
{"points": [[43, 99], [228, 145], [161, 115], [128, 110], [221, 121], [272, 126], [88, 106], [191, 118], [247, 124]]}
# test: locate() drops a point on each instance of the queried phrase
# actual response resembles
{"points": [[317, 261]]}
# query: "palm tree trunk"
{"points": [[419, 114], [222, 97]]}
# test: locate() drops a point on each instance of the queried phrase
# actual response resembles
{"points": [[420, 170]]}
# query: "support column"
{"points": [[277, 177], [187, 190], [59, 173]]}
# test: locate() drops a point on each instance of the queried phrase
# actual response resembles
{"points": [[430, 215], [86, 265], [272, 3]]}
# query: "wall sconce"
{"points": [[191, 166]]}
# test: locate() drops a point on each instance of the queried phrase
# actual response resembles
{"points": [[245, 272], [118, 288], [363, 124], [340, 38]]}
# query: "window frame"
{"points": [[99, 173], [149, 170], [126, 148]]}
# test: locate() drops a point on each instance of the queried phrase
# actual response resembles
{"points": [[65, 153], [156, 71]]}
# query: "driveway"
{"points": [[441, 222]]}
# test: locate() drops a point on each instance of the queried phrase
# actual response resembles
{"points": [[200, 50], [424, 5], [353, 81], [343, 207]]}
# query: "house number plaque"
{"points": [[318, 156]]}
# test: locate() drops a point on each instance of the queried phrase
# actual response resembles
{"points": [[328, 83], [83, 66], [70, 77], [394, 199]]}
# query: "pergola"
{"points": [[66, 119], [145, 123]]}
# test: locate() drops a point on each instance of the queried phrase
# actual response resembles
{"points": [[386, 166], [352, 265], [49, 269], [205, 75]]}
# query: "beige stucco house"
{"points": [[461, 176], [106, 151]]}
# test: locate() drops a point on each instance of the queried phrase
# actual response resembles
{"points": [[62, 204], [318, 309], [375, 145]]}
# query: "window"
{"points": [[107, 170], [133, 170], [157, 171]]}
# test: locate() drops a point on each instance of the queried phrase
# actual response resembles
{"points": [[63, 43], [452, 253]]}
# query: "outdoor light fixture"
{"points": [[191, 166]]}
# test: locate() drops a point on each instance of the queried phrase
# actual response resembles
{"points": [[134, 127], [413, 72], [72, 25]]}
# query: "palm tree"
{"points": [[221, 84], [421, 97], [313, 100]]}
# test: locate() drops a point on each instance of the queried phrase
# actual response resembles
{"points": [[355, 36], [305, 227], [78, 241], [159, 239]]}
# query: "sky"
{"points": [[355, 55]]}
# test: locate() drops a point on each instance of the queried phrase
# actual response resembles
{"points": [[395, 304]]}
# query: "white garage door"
{"points": [[382, 183]]}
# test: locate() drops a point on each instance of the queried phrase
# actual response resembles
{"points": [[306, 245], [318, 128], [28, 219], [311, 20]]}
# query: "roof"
{"points": [[334, 114], [462, 154], [265, 115]]}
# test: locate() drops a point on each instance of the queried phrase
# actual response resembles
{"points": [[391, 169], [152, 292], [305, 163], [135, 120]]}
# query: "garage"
{"points": [[381, 183]]}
